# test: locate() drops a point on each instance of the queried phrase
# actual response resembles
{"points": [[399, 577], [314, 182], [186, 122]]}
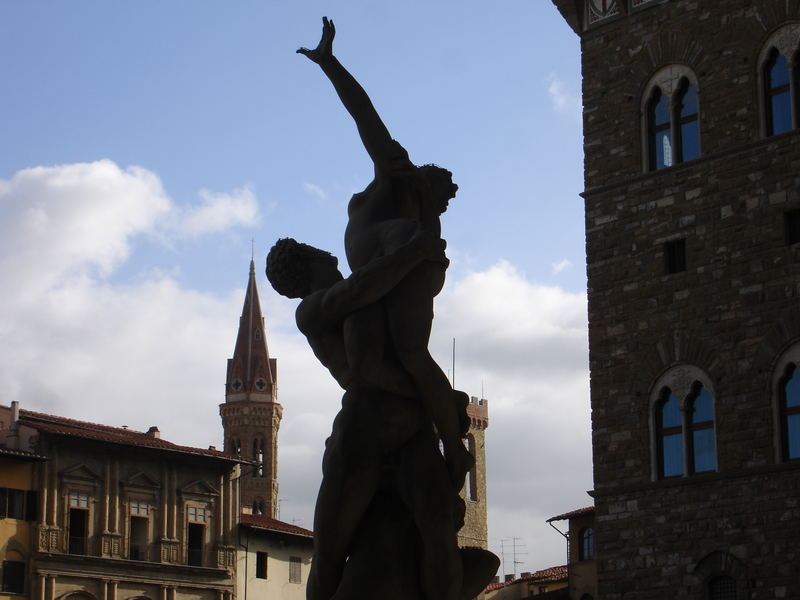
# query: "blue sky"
{"points": [[145, 144]]}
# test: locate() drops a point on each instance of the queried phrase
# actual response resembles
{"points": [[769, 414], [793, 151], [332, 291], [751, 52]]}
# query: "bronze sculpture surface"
{"points": [[388, 509]]}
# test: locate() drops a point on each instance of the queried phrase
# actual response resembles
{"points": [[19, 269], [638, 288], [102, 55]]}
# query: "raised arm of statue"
{"points": [[374, 135]]}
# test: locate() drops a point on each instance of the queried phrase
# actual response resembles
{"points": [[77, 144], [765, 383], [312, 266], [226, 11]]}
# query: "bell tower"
{"points": [[475, 532], [251, 414]]}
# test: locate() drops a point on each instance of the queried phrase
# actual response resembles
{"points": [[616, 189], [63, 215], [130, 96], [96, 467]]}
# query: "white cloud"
{"points": [[221, 211], [526, 345], [315, 190], [72, 340], [564, 101], [561, 265], [70, 220]]}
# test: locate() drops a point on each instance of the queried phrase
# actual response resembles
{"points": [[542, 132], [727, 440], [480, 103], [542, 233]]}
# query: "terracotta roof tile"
{"points": [[581, 512], [551, 575], [23, 454], [496, 586], [105, 433], [268, 523], [548, 575]]}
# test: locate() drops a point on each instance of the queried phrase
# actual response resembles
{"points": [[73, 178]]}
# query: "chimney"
{"points": [[12, 437], [525, 574], [509, 578], [153, 432]]}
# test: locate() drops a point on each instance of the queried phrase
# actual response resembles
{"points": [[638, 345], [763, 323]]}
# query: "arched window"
{"points": [[789, 395], [258, 506], [702, 445], [684, 440], [720, 576], [672, 123], [258, 456], [471, 480], [778, 74], [786, 403], [670, 435], [586, 544], [777, 93]]}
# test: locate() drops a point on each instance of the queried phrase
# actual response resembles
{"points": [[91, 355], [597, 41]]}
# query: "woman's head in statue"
{"points": [[295, 270], [439, 183]]}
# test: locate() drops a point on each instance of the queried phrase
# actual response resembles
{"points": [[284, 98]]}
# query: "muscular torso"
{"points": [[385, 215]]}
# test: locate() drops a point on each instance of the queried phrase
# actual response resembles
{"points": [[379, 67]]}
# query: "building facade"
{"points": [[18, 512], [124, 514], [581, 565], [692, 227], [273, 560], [251, 414]]}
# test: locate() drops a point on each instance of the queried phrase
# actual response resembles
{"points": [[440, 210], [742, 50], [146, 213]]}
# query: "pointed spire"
{"points": [[251, 372]]}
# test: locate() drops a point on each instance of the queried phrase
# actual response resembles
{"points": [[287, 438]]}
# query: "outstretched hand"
{"points": [[324, 49]]}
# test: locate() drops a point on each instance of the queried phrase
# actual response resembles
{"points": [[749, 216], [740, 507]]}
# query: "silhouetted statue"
{"points": [[388, 509]]}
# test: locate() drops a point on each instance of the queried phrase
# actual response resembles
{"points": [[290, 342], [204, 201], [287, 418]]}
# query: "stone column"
{"points": [[53, 509], [221, 513], [173, 497], [106, 493]]}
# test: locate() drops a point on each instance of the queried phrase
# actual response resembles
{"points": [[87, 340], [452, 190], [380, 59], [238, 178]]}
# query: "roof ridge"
{"points": [[573, 513], [78, 423], [74, 427], [268, 522]]}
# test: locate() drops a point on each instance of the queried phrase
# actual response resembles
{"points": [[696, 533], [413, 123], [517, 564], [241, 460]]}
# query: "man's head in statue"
{"points": [[440, 184], [296, 270]]}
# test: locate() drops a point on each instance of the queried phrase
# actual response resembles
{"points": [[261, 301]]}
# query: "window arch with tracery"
{"points": [[599, 10], [586, 544], [786, 390], [671, 118], [683, 424], [778, 73]]}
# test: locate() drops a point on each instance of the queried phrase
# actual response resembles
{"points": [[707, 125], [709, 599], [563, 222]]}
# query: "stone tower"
{"points": [[251, 414], [475, 530], [692, 196]]}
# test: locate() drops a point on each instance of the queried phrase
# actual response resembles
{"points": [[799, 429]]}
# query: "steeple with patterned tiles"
{"points": [[251, 372], [251, 414]]}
